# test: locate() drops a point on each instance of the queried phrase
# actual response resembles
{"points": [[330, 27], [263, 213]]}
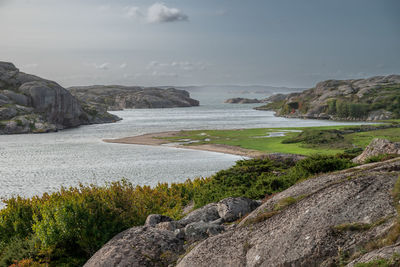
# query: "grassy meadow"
{"points": [[326, 140]]}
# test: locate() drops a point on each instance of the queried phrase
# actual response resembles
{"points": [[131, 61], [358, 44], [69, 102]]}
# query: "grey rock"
{"points": [[58, 104], [377, 147], [207, 213], [139, 246], [153, 219], [200, 230], [16, 98], [383, 253], [231, 209], [305, 232], [180, 233], [170, 226], [7, 113]]}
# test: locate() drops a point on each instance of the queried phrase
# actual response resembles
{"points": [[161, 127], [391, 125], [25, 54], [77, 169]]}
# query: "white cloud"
{"points": [[133, 12], [123, 66], [160, 13], [103, 66], [178, 65]]}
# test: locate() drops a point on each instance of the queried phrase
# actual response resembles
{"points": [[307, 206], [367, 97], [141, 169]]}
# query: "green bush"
{"points": [[311, 136], [257, 178]]}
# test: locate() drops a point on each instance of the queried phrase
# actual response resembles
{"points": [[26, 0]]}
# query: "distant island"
{"points": [[371, 99], [240, 100], [118, 97]]}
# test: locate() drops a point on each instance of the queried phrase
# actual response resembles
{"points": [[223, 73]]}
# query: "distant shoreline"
{"points": [[154, 139]]}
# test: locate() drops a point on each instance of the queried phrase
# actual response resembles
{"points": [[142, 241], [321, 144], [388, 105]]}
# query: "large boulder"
{"points": [[139, 246], [313, 223], [201, 230], [231, 209], [153, 219], [207, 213], [377, 147]]}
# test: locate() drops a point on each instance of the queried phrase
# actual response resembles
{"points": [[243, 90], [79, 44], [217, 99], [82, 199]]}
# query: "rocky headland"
{"points": [[30, 104], [117, 97], [371, 99], [240, 100], [334, 219]]}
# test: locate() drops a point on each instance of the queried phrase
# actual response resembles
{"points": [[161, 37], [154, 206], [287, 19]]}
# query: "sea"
{"points": [[31, 164]]}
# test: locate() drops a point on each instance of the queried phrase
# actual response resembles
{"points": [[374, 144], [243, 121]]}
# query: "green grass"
{"points": [[254, 139]]}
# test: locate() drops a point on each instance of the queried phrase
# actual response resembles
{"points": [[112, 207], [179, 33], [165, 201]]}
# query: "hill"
{"points": [[371, 99]]}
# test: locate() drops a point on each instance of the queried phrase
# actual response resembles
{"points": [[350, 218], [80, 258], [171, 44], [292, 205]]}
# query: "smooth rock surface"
{"points": [[304, 233], [139, 246]]}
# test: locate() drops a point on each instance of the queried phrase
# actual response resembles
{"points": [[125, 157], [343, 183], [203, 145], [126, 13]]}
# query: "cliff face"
{"points": [[375, 98], [30, 104], [117, 97]]}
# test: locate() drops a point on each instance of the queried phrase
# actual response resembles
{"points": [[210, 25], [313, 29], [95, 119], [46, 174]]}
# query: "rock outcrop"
{"points": [[161, 240], [377, 147], [30, 104], [371, 99], [240, 100], [117, 97], [139, 246], [313, 223]]}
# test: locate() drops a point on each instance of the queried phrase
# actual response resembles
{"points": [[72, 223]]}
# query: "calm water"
{"points": [[33, 164]]}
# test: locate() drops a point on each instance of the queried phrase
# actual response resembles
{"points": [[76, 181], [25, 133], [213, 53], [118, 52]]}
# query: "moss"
{"points": [[260, 218], [285, 202], [358, 226], [392, 262]]}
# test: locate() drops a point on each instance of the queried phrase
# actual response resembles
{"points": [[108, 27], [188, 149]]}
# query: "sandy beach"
{"points": [[153, 139]]}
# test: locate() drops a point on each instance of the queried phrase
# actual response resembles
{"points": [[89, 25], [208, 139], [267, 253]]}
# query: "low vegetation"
{"points": [[326, 140], [66, 227]]}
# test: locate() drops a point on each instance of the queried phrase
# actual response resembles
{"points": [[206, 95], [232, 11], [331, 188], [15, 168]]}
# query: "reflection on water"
{"points": [[33, 164]]}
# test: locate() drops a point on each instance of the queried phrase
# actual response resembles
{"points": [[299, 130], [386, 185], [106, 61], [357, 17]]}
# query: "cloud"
{"points": [[164, 74], [133, 12], [123, 66], [178, 65], [30, 65], [103, 66], [160, 13]]}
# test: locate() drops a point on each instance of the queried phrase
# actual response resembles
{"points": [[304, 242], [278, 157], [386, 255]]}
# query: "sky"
{"points": [[293, 43]]}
